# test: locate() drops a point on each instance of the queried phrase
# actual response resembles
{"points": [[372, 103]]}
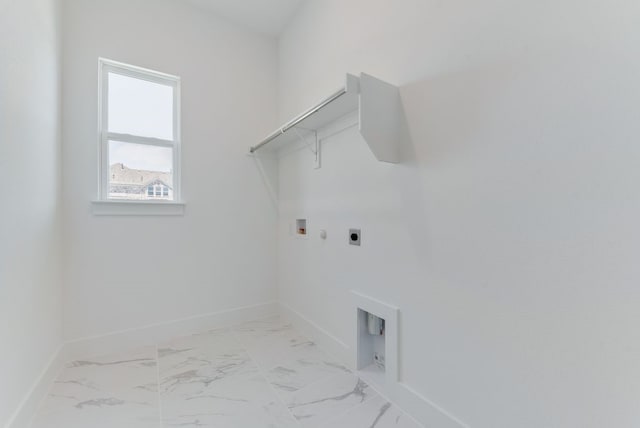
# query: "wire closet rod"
{"points": [[299, 119]]}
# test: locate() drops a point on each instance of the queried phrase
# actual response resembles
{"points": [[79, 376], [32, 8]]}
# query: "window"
{"points": [[158, 191], [139, 134]]}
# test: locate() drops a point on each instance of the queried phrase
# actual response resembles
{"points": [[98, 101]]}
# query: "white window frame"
{"points": [[106, 66]]}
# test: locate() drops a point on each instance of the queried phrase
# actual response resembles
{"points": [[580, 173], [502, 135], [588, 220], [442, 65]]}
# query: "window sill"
{"points": [[137, 208]]}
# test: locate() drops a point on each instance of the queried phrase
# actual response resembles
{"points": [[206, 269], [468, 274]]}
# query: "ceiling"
{"points": [[264, 16]]}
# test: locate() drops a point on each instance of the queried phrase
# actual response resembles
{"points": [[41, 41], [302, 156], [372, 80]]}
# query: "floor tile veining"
{"points": [[261, 374], [104, 393]]}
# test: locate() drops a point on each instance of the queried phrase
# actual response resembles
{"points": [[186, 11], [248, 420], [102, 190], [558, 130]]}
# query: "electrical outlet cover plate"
{"points": [[354, 237]]}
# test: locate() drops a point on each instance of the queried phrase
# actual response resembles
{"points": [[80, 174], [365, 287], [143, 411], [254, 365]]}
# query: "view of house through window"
{"points": [[139, 171], [139, 143]]}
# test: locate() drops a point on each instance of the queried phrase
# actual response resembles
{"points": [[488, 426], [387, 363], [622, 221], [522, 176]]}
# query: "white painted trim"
{"points": [[137, 208], [136, 139], [163, 331], [21, 418], [401, 394], [325, 340], [390, 315], [134, 71], [106, 66], [121, 341]]}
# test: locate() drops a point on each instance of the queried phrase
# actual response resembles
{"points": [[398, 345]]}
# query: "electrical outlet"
{"points": [[354, 237]]}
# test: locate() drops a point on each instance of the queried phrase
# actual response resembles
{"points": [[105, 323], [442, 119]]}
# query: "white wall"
{"points": [[509, 235], [30, 327], [127, 272]]}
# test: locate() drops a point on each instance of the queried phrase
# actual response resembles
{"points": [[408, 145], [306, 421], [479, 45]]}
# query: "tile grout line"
{"points": [[259, 367], [327, 379], [349, 371], [370, 384], [315, 382], [264, 369]]}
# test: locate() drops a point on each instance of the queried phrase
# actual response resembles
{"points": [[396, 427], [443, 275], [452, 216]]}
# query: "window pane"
{"points": [[137, 170], [139, 107]]}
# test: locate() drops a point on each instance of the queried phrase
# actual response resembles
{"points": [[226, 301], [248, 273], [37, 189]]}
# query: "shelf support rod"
{"points": [[315, 142], [299, 119]]}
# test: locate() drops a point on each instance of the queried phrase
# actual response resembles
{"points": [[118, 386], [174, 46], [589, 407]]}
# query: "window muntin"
{"points": [[139, 134]]}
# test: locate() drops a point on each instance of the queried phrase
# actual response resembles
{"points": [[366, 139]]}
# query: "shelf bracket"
{"points": [[313, 145]]}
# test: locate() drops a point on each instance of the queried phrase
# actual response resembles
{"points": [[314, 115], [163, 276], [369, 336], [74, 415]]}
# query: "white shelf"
{"points": [[380, 117]]}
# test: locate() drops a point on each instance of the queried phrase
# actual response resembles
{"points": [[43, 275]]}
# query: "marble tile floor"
{"points": [[261, 374]]}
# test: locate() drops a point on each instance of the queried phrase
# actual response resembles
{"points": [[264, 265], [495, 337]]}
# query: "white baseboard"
{"points": [[401, 394], [21, 418], [325, 340], [160, 332], [124, 340]]}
